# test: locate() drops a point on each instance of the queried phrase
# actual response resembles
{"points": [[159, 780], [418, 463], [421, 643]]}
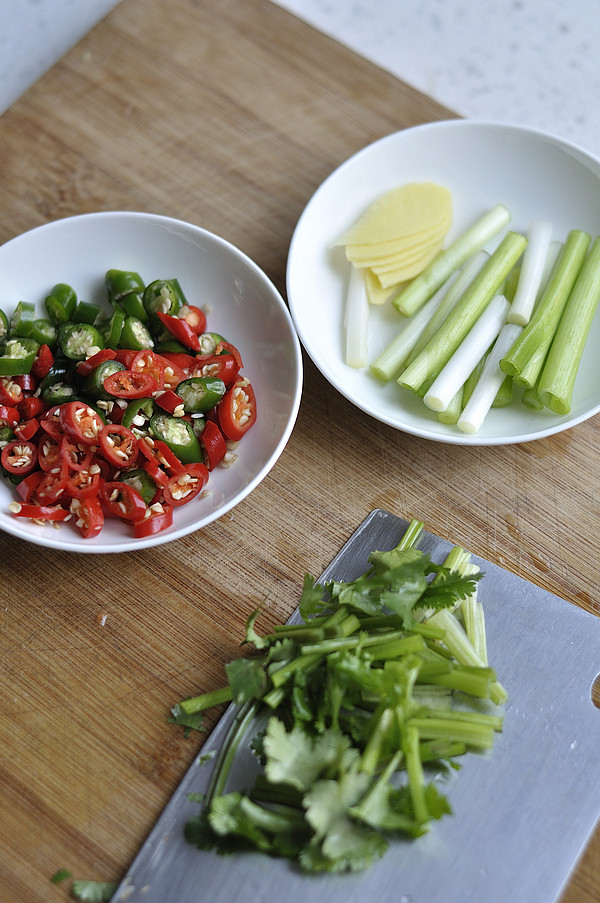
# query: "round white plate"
{"points": [[244, 305], [537, 176]]}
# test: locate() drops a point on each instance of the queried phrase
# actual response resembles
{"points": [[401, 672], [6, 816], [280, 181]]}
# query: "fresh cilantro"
{"points": [[346, 715]]}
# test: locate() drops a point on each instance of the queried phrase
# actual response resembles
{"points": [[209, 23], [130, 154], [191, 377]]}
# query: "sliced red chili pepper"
{"points": [[119, 445], [123, 500], [9, 416], [159, 518], [158, 451], [27, 487], [49, 454], [180, 359], [19, 456], [41, 512], [154, 470], [146, 361], [77, 456], [237, 410], [169, 401], [180, 330], [26, 382], [84, 483], [227, 347], [125, 356], [224, 366], [84, 368], [194, 317], [88, 514], [183, 487], [174, 374], [11, 392], [127, 384], [27, 429], [213, 444], [43, 362], [80, 422], [32, 406], [53, 484]]}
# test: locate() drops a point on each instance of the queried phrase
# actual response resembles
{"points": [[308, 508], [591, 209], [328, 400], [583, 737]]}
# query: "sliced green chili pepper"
{"points": [[77, 339], [201, 393], [140, 480], [6, 434], [163, 295], [21, 322], [4, 326], [178, 435], [19, 355], [44, 332], [173, 346], [136, 335], [57, 385], [138, 413], [113, 329], [93, 384], [86, 312], [122, 282], [61, 303], [133, 305]]}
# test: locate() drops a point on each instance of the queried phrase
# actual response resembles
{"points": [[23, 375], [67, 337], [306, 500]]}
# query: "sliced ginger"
{"points": [[399, 234]]}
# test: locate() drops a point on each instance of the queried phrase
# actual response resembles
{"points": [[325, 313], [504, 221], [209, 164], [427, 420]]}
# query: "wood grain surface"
{"points": [[228, 114]]}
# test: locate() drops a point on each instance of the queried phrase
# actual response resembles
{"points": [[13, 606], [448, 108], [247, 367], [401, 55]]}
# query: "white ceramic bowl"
{"points": [[244, 306], [536, 175]]}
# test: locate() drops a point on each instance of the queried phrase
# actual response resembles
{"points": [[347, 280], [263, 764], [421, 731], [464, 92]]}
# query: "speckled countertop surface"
{"points": [[530, 62]]}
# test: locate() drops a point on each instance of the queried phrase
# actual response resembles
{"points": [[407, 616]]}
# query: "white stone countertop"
{"points": [[529, 62]]}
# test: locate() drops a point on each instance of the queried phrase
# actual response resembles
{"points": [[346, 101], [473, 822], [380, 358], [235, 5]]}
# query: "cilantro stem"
{"points": [[414, 768], [206, 700], [462, 731]]}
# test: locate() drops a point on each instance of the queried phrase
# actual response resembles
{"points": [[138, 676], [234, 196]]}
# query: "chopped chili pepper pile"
{"points": [[119, 415]]}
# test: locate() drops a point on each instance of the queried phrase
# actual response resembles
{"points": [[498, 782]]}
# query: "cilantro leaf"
{"points": [[312, 600], [247, 679], [191, 722]]}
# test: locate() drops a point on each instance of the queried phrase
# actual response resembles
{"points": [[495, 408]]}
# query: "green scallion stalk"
{"points": [[390, 361], [504, 395], [531, 399], [537, 336], [452, 290], [463, 361], [451, 414], [433, 276], [557, 380], [476, 298]]}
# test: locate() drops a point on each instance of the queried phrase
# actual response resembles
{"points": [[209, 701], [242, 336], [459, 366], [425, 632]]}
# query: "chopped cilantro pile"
{"points": [[353, 712]]}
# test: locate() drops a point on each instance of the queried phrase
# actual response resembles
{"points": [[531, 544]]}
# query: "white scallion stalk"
{"points": [[489, 382], [390, 361], [356, 320], [454, 374], [416, 293], [533, 266]]}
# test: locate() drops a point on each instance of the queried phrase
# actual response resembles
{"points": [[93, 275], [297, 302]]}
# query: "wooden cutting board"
{"points": [[228, 114]]}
